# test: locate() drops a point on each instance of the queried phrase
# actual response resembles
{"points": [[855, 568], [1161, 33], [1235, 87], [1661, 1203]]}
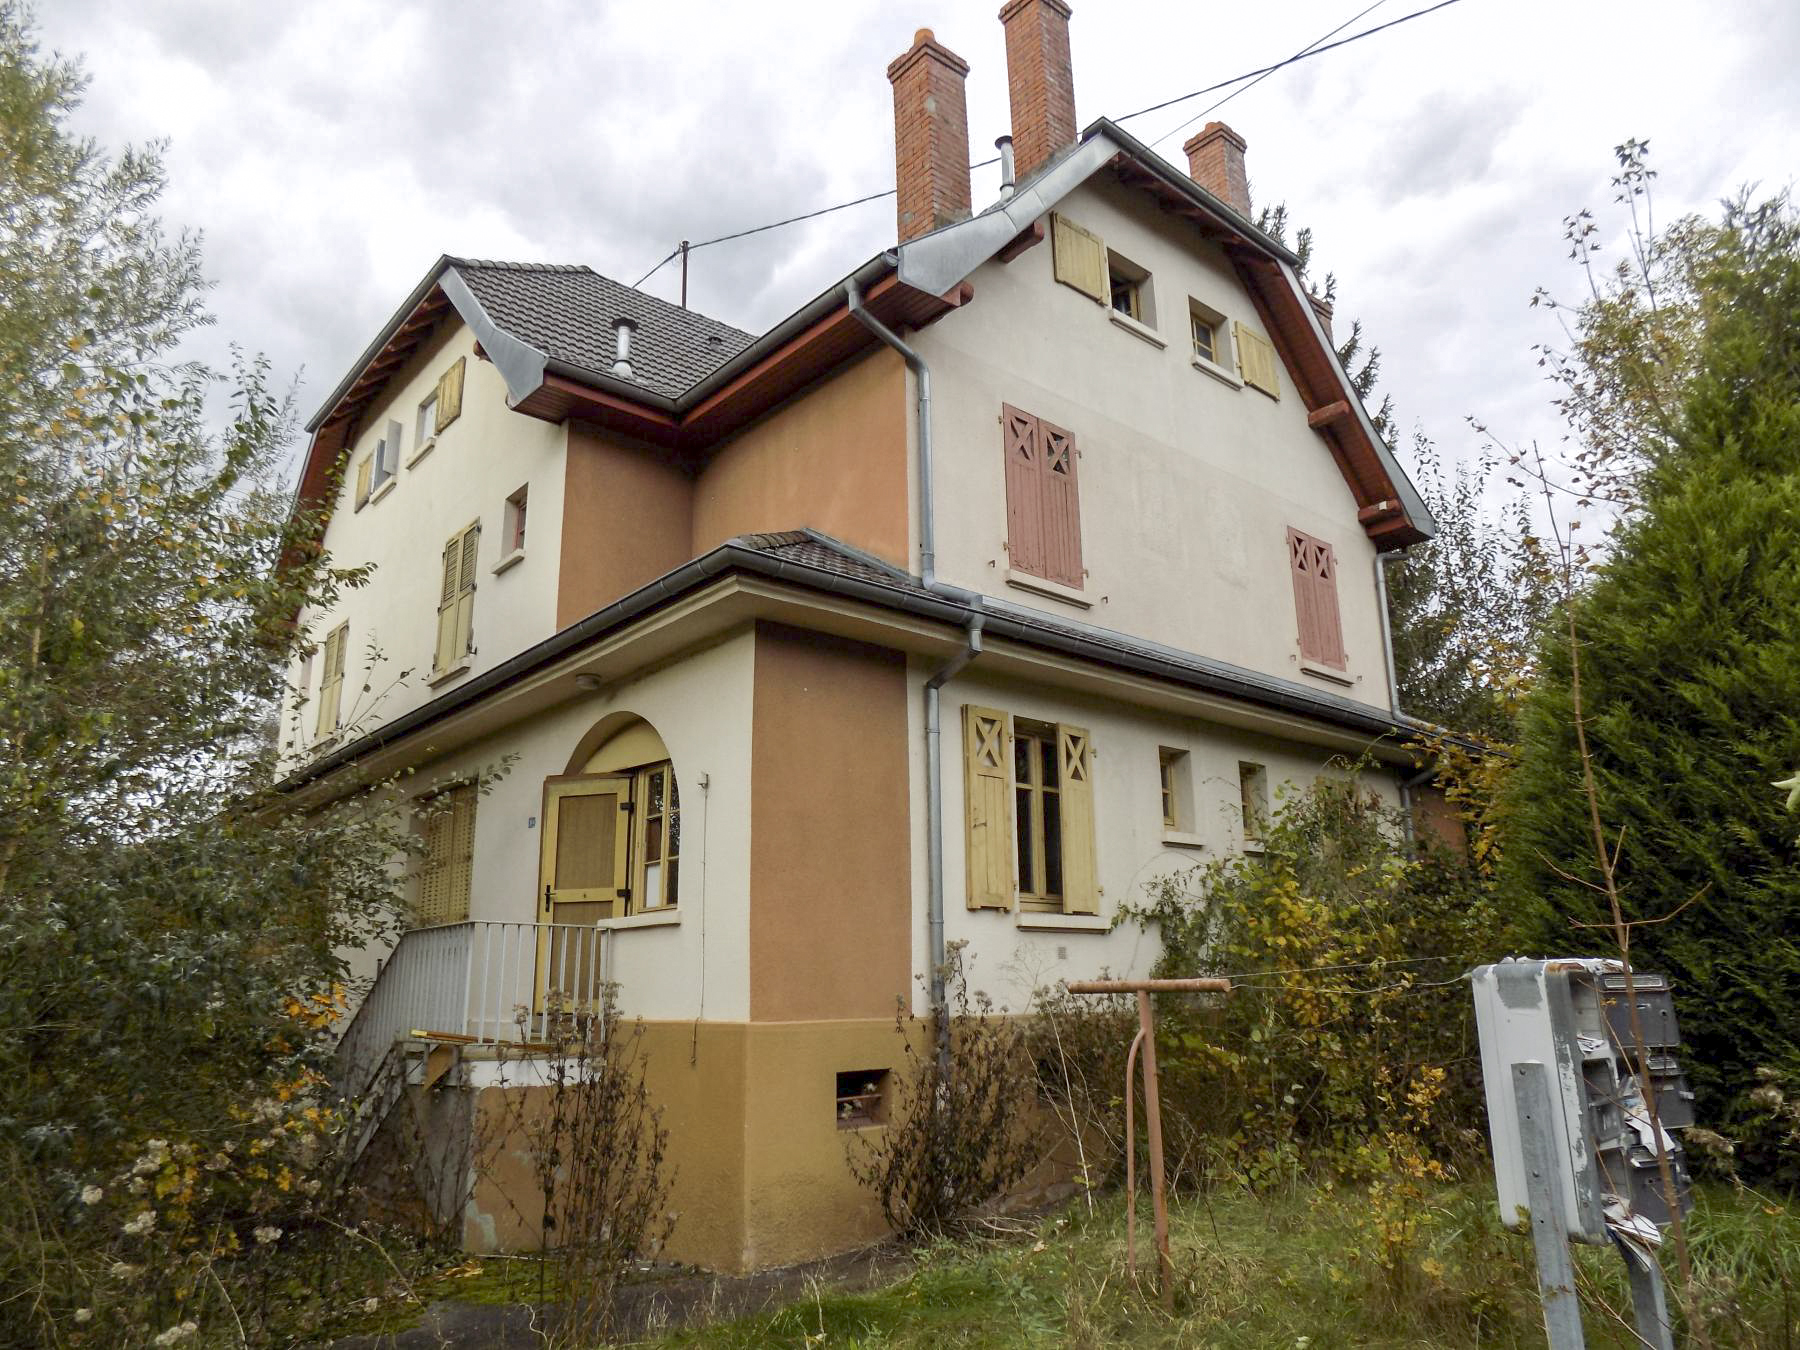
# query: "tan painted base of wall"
{"points": [[758, 1159]]}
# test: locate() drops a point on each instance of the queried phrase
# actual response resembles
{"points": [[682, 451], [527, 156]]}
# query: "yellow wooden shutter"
{"points": [[446, 871], [331, 680], [1080, 258], [364, 471], [465, 600], [1075, 762], [449, 394], [1258, 365], [987, 807]]}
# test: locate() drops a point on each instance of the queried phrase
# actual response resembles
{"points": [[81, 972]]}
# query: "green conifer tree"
{"points": [[1689, 649]]}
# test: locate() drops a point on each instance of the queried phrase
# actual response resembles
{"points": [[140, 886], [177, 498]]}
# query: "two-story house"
{"points": [[1017, 568]]}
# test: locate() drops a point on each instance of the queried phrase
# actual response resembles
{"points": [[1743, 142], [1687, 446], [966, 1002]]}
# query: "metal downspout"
{"points": [[1387, 652], [934, 760]]}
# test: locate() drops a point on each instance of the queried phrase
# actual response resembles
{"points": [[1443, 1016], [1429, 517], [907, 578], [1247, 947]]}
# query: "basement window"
{"points": [[862, 1098]]}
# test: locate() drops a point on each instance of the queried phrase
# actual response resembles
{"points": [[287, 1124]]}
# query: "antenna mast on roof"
{"points": [[684, 253]]}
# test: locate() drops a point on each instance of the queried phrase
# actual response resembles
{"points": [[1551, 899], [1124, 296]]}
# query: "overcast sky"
{"points": [[330, 150]]}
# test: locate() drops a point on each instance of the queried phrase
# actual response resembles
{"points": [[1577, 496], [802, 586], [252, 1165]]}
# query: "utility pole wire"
{"points": [[1253, 76]]}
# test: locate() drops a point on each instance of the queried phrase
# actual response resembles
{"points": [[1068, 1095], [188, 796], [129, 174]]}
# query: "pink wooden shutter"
{"points": [[1023, 444], [1314, 568], [1062, 507]]}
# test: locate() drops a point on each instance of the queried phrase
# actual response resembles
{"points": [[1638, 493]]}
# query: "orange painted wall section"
{"points": [[834, 458], [830, 859], [627, 519]]}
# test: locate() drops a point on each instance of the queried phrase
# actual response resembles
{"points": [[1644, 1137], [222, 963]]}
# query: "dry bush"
{"points": [[965, 1127]]}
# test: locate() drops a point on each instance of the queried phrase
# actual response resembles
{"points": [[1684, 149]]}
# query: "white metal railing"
{"points": [[481, 981]]}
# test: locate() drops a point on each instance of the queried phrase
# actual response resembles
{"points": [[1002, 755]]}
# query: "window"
{"points": [[1258, 365], [426, 427], [331, 681], [1029, 814], [1253, 799], [456, 601], [1037, 812], [513, 541], [861, 1098], [1314, 568], [658, 806], [1210, 334], [447, 820], [1128, 285], [1175, 785], [387, 455], [1043, 502]]}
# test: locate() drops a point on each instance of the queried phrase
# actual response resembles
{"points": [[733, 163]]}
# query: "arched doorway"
{"points": [[611, 843]]}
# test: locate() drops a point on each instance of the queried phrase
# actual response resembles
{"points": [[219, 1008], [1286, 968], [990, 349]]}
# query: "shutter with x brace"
{"points": [[987, 807]]}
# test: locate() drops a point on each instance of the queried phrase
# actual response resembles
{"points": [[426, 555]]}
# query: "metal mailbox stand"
{"points": [[1146, 1038]]}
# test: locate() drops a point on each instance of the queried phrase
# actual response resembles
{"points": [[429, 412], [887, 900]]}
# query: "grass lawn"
{"points": [[1290, 1270]]}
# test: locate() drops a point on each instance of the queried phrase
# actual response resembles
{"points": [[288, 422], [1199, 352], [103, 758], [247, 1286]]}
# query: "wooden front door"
{"points": [[582, 874]]}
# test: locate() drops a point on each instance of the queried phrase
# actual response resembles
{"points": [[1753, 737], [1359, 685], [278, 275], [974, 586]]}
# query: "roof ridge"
{"points": [[501, 265]]}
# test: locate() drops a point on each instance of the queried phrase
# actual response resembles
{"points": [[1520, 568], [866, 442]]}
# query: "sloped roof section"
{"points": [[570, 313]]}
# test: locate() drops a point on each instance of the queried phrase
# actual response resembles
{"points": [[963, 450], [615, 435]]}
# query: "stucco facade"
{"points": [[1189, 481], [725, 591]]}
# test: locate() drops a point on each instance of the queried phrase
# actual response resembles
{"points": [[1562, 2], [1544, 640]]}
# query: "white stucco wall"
{"points": [[1187, 484], [1008, 956], [701, 707], [477, 462]]}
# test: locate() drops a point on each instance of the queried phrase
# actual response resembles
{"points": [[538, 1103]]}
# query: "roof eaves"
{"points": [[1410, 500], [822, 304], [369, 353]]}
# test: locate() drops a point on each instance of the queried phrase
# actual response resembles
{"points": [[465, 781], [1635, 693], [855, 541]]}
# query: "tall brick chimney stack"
{"points": [[1216, 163], [931, 136], [1039, 79]]}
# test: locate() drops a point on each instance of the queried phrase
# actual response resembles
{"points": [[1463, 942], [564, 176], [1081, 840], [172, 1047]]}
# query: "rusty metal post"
{"points": [[1165, 1267], [1131, 1156], [1146, 1036]]}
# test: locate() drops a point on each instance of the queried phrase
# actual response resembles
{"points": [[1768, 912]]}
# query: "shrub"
{"points": [[1347, 1043], [964, 1128]]}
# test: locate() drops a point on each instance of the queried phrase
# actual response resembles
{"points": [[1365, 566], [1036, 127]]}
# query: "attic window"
{"points": [[1129, 286]]}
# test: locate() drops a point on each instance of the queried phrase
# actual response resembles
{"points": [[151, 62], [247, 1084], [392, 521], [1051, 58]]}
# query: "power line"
{"points": [[1253, 76], [1303, 52]]}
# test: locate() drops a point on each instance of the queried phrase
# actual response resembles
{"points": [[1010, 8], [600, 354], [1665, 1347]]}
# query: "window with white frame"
{"points": [[1210, 335], [1129, 288], [513, 540], [426, 427], [387, 456]]}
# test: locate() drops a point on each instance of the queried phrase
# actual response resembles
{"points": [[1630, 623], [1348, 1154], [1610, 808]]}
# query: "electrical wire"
{"points": [[1253, 76], [1305, 51]]}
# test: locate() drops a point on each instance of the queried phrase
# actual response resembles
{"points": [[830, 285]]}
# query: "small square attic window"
{"points": [[1129, 285]]}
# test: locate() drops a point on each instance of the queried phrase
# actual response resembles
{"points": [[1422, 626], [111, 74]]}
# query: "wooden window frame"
{"points": [[1031, 799], [1122, 274], [1171, 766], [658, 832], [516, 520]]}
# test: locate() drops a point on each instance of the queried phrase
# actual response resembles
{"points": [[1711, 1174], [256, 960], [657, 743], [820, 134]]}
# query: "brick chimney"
{"points": [[1216, 163], [931, 136], [1039, 79]]}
